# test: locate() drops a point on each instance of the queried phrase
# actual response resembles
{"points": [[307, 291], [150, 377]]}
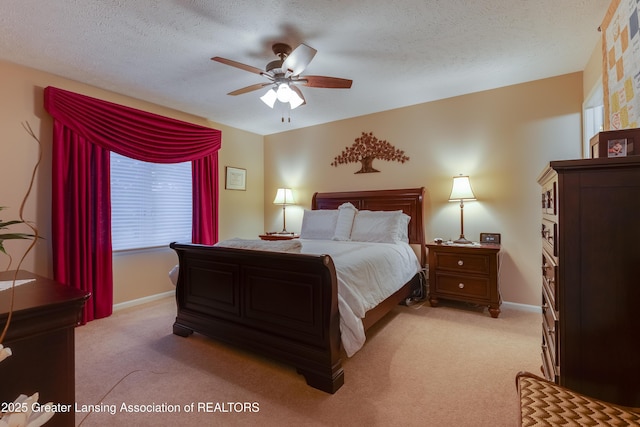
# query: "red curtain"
{"points": [[85, 130]]}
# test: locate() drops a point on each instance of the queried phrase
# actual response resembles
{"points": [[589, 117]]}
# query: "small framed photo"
{"points": [[236, 178], [616, 148]]}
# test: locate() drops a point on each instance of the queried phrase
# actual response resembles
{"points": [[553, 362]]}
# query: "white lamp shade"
{"points": [[284, 196], [461, 189], [295, 100], [269, 98]]}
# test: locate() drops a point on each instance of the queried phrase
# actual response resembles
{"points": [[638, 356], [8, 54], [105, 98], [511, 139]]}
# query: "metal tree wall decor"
{"points": [[365, 149]]}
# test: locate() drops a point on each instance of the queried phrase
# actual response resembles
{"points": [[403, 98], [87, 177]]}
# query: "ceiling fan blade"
{"points": [[249, 88], [238, 65], [326, 82], [298, 60]]}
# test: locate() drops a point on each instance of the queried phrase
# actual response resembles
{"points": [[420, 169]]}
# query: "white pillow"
{"points": [[346, 213], [319, 224], [380, 226], [404, 227]]}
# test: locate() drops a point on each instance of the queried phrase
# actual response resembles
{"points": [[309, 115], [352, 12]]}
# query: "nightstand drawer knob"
{"points": [[461, 285], [460, 262]]}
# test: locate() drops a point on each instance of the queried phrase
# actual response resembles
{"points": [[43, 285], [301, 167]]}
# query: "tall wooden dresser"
{"points": [[591, 277]]}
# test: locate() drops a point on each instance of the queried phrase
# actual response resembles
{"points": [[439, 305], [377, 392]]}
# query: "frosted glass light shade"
{"points": [[295, 100], [269, 98], [284, 93], [284, 196], [461, 189]]}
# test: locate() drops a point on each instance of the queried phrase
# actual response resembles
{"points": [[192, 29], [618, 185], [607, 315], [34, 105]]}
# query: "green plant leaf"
{"points": [[8, 236], [12, 236], [8, 223]]}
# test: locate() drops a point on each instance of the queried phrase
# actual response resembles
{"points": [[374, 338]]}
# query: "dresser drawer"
{"points": [[549, 199], [463, 286], [469, 263], [550, 277], [549, 231], [548, 366], [550, 326]]}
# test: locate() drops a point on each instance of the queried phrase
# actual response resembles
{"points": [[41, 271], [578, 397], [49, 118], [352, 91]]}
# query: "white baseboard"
{"points": [[522, 307], [142, 300]]}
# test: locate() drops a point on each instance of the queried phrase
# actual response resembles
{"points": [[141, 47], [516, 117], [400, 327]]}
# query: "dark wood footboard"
{"points": [[281, 305], [285, 305]]}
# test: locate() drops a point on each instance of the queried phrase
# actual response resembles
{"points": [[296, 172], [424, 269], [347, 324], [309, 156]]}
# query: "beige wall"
{"points": [[242, 212], [502, 138], [136, 274], [592, 74]]}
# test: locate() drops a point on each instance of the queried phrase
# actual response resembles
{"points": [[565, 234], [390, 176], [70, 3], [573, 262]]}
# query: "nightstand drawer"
{"points": [[460, 285], [469, 263]]}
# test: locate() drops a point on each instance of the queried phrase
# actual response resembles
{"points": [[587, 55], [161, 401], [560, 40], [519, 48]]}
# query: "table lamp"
{"points": [[461, 191], [284, 197]]}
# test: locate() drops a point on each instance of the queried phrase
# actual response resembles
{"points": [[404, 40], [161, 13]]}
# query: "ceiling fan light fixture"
{"points": [[285, 72], [284, 92], [269, 98]]}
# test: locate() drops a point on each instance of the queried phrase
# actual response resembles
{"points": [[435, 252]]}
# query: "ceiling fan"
{"points": [[284, 76]]}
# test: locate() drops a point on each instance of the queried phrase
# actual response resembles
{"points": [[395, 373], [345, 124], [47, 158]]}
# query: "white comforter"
{"points": [[367, 274]]}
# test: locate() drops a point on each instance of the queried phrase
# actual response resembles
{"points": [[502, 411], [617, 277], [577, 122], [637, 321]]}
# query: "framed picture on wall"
{"points": [[235, 178]]}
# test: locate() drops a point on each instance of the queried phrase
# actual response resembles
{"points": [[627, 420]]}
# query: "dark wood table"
{"points": [[276, 236], [41, 338]]}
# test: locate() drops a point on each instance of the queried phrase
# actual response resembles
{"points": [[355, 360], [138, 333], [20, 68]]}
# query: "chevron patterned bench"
{"points": [[544, 403]]}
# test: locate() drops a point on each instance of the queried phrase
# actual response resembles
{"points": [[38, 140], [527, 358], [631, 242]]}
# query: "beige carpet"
{"points": [[448, 366]]}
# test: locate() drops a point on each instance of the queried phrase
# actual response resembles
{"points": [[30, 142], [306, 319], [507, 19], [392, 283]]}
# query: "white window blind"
{"points": [[150, 203]]}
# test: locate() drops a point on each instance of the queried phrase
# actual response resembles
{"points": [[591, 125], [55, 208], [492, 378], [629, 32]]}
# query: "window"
{"points": [[150, 203], [593, 117]]}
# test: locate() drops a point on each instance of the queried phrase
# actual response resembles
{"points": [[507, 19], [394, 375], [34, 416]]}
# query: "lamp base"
{"points": [[463, 241]]}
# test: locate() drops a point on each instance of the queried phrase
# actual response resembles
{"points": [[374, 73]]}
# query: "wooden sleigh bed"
{"points": [[285, 305]]}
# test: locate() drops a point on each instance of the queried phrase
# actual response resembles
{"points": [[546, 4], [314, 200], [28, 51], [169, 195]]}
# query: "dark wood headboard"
{"points": [[410, 201]]}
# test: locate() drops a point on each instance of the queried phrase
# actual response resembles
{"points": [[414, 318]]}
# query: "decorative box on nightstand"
{"points": [[466, 273]]}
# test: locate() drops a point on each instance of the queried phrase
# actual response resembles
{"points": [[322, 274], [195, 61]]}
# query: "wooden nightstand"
{"points": [[465, 273], [278, 236]]}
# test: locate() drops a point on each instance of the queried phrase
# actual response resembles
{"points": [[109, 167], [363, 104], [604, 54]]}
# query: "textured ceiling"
{"points": [[397, 53]]}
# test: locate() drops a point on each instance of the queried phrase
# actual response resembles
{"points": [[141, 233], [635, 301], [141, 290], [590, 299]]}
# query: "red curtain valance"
{"points": [[133, 133]]}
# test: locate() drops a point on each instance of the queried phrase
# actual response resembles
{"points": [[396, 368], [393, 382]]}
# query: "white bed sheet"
{"points": [[367, 274]]}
